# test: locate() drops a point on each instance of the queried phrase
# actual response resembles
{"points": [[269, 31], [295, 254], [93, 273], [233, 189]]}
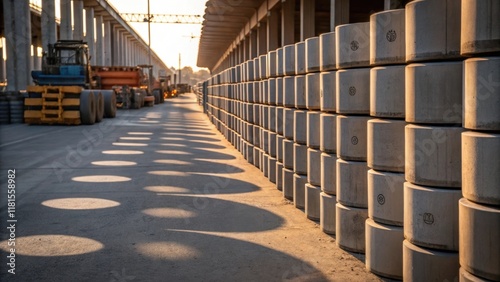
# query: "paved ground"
{"points": [[156, 194]]}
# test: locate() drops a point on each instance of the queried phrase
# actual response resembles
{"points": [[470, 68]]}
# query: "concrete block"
{"points": [[299, 188], [300, 92], [271, 169], [482, 93], [264, 116], [351, 183], [271, 64], [432, 155], [351, 137], [288, 181], [249, 154], [480, 31], [385, 197], [312, 202], [263, 66], [289, 91], [327, 91], [300, 159], [272, 118], [256, 136], [327, 213], [387, 37], [328, 173], [288, 123], [431, 216], [271, 91], [300, 58], [313, 130], [256, 114], [256, 68], [289, 59], [327, 51], [312, 54], [432, 30], [288, 153], [350, 228], [279, 147], [434, 93], [465, 276], [353, 91], [314, 166], [250, 70], [265, 165], [313, 95], [272, 144], [256, 156], [279, 61], [352, 45], [384, 249], [422, 264], [279, 176], [328, 133], [279, 91], [300, 127], [387, 91], [386, 145], [480, 177], [479, 239]]}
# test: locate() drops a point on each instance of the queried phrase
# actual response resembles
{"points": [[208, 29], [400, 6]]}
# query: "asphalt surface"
{"points": [[155, 194]]}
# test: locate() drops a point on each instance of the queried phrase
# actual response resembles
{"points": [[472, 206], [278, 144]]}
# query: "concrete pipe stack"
{"points": [[300, 127], [272, 108], [313, 117], [352, 44], [287, 154], [386, 144], [328, 132], [433, 79], [479, 209], [279, 122]]}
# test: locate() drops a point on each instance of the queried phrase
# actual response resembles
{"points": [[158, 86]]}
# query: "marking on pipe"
{"points": [[391, 35], [352, 91], [428, 218], [354, 45], [381, 199], [354, 140]]}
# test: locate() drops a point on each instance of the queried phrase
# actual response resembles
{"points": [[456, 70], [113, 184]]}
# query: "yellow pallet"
{"points": [[53, 103]]}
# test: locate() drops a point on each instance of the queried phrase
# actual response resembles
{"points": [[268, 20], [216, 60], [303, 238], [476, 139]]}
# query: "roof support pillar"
{"points": [[339, 13], [307, 13], [288, 22], [272, 30]]}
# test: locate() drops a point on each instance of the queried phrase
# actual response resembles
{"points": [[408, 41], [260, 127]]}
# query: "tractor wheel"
{"points": [[99, 103], [87, 107], [109, 103], [156, 93]]}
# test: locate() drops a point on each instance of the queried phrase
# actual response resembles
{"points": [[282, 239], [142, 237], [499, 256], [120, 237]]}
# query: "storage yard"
{"points": [[335, 140]]}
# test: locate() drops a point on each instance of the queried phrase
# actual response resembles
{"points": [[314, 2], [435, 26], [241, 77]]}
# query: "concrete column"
{"points": [[116, 46], [288, 22], [393, 4], [339, 13], [272, 30], [49, 28], [17, 23], [124, 49], [78, 19], [253, 44], [307, 15], [245, 49], [108, 58], [66, 30], [99, 42], [262, 39], [89, 33], [37, 62]]}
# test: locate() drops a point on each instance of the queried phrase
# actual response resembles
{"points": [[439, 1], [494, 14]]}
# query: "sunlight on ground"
{"points": [[122, 152], [101, 178], [130, 144], [53, 245], [166, 189], [140, 133], [169, 213], [114, 163], [168, 251], [173, 138], [176, 162], [168, 173], [172, 152], [173, 145], [80, 203], [148, 121], [135, 138]]}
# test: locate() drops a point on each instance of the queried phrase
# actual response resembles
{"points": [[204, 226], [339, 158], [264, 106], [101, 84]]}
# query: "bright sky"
{"points": [[168, 40]]}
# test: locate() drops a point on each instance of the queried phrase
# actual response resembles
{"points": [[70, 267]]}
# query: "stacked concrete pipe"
{"points": [[479, 209], [352, 44], [433, 164], [386, 144]]}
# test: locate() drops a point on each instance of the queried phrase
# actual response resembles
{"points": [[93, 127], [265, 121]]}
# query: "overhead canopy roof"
{"points": [[223, 22]]}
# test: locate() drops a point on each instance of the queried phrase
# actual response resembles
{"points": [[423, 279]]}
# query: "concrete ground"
{"points": [[156, 194]]}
